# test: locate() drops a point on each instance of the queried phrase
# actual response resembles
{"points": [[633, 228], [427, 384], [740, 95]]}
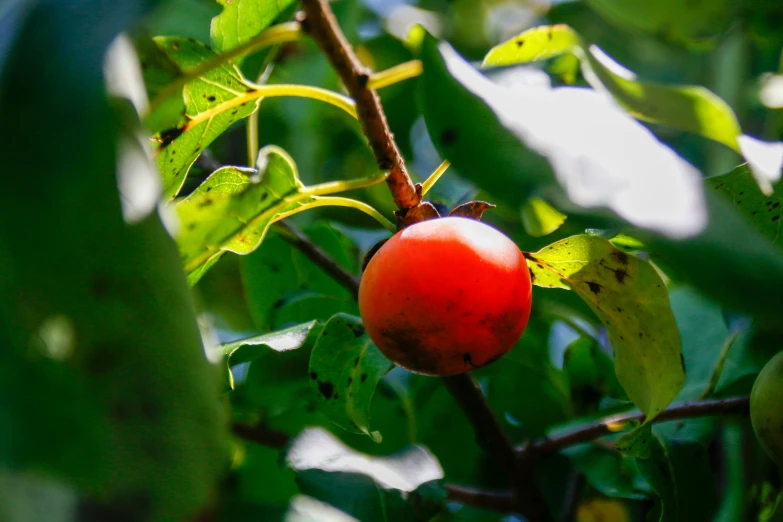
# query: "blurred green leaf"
{"points": [[241, 20], [212, 103], [514, 141], [345, 368], [630, 299], [369, 488], [764, 212], [103, 375], [679, 471], [590, 373], [233, 209], [540, 218], [676, 20], [690, 108]]}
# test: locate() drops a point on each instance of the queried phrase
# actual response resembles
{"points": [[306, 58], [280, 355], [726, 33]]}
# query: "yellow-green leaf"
{"points": [[631, 300], [540, 218], [233, 209]]}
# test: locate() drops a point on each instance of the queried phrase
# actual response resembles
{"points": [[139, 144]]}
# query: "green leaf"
{"points": [[675, 20], [610, 472], [512, 142], [105, 384], [679, 471], [212, 103], [540, 218], [276, 274], [293, 338], [241, 20], [631, 300], [636, 443], [345, 368], [764, 212], [233, 209], [370, 488], [689, 108]]}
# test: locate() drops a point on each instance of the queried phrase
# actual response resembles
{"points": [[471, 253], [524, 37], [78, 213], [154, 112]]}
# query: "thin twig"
{"points": [[491, 500], [735, 405], [262, 435], [491, 437], [315, 254], [322, 26]]}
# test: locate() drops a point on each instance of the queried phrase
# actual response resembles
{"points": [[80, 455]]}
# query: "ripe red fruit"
{"points": [[445, 296]]}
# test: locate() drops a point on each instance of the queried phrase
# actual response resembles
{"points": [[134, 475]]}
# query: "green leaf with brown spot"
{"points": [[212, 103], [241, 20], [233, 209], [345, 368], [631, 300], [740, 188], [686, 107]]}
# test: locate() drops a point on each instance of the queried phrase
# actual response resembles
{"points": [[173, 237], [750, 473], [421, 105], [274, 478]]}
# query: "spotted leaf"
{"points": [[631, 300], [345, 368], [212, 102], [233, 209]]}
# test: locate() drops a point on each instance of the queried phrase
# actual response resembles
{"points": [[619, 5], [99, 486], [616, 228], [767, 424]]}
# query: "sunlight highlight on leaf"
{"points": [[689, 108]]}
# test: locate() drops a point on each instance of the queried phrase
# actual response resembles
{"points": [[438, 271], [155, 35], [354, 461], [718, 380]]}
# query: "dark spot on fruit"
{"points": [[313, 375], [326, 389], [448, 137], [364, 377], [468, 360]]}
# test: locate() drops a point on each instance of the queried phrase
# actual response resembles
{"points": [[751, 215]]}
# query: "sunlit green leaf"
{"points": [[690, 108], [241, 20], [212, 103], [540, 218], [560, 142], [396, 487], [233, 209], [345, 368], [630, 299]]}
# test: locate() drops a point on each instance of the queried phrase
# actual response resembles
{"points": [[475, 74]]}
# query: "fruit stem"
{"points": [[434, 177]]}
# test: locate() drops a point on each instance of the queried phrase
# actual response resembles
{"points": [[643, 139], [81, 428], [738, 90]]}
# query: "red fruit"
{"points": [[445, 296]]}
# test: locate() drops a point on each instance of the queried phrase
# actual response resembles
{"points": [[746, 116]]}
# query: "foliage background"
{"points": [[109, 406]]}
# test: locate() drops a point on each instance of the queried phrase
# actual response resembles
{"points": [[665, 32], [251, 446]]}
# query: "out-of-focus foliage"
{"points": [[648, 204]]}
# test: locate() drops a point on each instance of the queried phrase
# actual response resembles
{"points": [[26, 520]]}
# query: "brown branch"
{"points": [[491, 437], [320, 23], [262, 435], [491, 500], [735, 405], [323, 260]]}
